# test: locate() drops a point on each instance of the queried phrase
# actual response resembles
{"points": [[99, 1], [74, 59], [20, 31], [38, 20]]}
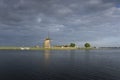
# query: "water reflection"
{"points": [[47, 56], [72, 55], [87, 58], [87, 55], [72, 58]]}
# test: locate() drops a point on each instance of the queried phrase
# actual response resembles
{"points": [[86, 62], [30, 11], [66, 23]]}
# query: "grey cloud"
{"points": [[69, 20]]}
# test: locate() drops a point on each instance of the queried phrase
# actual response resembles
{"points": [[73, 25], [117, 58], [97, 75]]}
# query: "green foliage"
{"points": [[87, 45], [72, 45], [66, 45]]}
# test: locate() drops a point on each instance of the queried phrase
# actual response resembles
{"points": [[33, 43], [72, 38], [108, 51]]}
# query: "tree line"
{"points": [[86, 45]]}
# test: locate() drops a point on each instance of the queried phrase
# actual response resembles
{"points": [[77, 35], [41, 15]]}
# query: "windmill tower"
{"points": [[47, 42]]}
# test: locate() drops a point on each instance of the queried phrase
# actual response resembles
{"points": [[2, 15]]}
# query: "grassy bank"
{"points": [[41, 48]]}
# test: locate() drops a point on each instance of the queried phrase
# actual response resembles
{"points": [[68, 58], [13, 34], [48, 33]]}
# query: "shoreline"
{"points": [[41, 48]]}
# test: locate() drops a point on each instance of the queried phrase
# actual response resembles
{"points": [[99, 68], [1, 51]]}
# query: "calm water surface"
{"points": [[60, 65]]}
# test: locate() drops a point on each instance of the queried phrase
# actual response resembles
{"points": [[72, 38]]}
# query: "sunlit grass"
{"points": [[41, 48]]}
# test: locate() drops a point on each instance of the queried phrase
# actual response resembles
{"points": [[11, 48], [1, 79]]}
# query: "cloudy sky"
{"points": [[28, 22]]}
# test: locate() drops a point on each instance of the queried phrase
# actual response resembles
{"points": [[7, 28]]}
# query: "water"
{"points": [[60, 65]]}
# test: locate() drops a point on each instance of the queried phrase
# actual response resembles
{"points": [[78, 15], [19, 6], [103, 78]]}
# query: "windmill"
{"points": [[47, 42]]}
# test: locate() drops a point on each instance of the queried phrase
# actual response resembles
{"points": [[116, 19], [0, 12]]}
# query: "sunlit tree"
{"points": [[72, 45], [87, 45]]}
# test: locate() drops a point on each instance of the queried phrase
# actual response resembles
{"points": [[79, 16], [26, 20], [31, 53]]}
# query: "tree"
{"points": [[87, 45], [72, 45]]}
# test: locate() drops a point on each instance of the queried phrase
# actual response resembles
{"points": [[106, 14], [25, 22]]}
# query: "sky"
{"points": [[28, 22]]}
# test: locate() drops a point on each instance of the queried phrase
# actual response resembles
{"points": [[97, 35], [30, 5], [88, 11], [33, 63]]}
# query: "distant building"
{"points": [[47, 43]]}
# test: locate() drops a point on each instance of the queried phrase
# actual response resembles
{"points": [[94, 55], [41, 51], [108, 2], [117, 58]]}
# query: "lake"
{"points": [[60, 65]]}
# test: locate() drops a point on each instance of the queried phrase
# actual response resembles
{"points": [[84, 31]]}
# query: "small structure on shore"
{"points": [[47, 43], [24, 48]]}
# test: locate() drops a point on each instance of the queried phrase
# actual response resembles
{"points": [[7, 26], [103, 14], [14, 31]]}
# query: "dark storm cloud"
{"points": [[69, 20]]}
